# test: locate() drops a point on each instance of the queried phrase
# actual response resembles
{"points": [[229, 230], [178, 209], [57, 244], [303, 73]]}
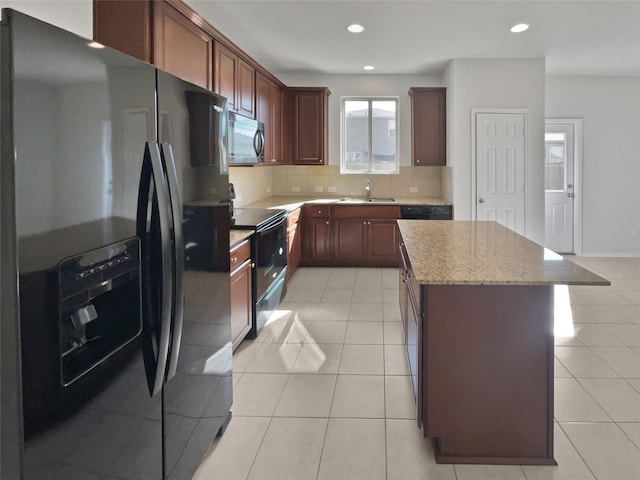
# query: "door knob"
{"points": [[571, 195], [481, 200]]}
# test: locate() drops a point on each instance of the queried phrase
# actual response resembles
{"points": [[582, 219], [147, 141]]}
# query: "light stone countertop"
{"points": [[291, 203], [236, 236], [444, 252]]}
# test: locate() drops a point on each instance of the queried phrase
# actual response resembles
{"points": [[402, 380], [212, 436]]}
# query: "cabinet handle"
{"points": [[327, 222], [319, 211], [364, 223], [417, 161]]}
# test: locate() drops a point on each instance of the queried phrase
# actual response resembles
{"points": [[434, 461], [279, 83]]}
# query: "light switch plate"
{"points": [[413, 189], [268, 189]]}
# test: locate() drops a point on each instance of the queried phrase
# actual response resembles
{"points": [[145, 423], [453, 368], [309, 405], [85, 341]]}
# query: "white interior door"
{"points": [[500, 156], [559, 193]]}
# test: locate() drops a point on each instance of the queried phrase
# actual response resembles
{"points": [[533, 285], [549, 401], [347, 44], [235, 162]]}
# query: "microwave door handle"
{"points": [[258, 142], [162, 193], [178, 245]]}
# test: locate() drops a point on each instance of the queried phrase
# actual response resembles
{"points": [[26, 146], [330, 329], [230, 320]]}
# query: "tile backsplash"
{"points": [[311, 180], [256, 183]]}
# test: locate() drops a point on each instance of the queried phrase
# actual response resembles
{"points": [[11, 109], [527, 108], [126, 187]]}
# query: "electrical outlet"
{"points": [[268, 189], [636, 232], [295, 189], [413, 189], [331, 189], [319, 189]]}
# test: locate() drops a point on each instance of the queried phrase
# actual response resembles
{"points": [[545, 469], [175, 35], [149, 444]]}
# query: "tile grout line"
{"points": [[577, 450]]}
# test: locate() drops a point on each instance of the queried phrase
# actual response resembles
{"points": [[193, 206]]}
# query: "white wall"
{"points": [[610, 109], [73, 15], [366, 85], [492, 83]]}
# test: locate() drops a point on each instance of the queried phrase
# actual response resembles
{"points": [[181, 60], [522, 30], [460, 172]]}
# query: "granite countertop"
{"points": [[292, 203], [236, 236], [445, 252]]}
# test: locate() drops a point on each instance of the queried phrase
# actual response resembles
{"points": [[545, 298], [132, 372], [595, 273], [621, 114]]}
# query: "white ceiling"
{"points": [[420, 37]]}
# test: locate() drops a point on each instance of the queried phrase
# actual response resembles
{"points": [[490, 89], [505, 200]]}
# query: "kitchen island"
{"points": [[478, 315]]}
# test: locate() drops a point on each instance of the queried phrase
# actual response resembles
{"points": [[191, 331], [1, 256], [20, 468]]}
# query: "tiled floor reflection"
{"points": [[324, 394]]}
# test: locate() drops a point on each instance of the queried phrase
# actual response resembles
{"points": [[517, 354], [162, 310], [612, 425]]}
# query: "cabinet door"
{"points": [[277, 102], [319, 240], [382, 242], [264, 113], [349, 240], [125, 26], [240, 302], [245, 89], [428, 126], [180, 47], [224, 74], [293, 249], [310, 126]]}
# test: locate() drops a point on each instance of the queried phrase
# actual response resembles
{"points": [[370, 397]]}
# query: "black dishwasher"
{"points": [[427, 212]]}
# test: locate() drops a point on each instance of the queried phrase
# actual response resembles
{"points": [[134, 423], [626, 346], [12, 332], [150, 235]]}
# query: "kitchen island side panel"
{"points": [[488, 373]]}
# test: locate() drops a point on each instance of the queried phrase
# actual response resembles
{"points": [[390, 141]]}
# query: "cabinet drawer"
{"points": [[239, 254], [293, 217], [319, 211], [367, 211]]}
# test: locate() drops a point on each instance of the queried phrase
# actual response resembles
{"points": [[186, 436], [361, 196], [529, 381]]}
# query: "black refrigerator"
{"points": [[115, 348]]}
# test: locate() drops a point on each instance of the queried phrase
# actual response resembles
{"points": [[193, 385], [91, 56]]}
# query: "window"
{"points": [[554, 162], [369, 135]]}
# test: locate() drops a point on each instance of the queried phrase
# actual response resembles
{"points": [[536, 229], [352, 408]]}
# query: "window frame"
{"points": [[343, 126]]}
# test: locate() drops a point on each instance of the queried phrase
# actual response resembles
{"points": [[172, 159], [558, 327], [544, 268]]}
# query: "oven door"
{"points": [[268, 304], [270, 254]]}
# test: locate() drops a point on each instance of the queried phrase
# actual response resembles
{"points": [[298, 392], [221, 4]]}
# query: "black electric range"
{"points": [[255, 218], [269, 255]]}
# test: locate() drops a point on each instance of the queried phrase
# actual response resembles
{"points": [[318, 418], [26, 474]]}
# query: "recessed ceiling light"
{"points": [[95, 45], [369, 67], [520, 27], [355, 28]]}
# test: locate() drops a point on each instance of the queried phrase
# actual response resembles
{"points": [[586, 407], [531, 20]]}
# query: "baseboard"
{"points": [[611, 254]]}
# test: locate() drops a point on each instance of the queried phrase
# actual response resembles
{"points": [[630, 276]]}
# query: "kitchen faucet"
{"points": [[367, 189]]}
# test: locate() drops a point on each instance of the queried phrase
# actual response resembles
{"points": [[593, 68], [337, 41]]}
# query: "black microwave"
{"points": [[245, 140]]}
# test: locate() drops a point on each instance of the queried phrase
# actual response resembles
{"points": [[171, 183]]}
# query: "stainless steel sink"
{"points": [[366, 200], [382, 200]]}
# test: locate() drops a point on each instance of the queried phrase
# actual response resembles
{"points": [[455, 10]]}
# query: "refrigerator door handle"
{"points": [[162, 193], [178, 245]]}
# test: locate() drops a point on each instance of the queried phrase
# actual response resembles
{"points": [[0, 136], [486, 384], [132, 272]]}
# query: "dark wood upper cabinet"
{"points": [[277, 106], [269, 111], [225, 74], [180, 47], [158, 33], [428, 126], [126, 26], [310, 124], [245, 89], [234, 79]]}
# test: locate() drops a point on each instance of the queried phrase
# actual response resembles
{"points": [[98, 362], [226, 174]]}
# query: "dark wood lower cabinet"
{"points": [[318, 245], [481, 362], [382, 239], [351, 236], [350, 240], [294, 245], [241, 298]]}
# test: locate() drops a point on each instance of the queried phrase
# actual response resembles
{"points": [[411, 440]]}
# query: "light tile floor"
{"points": [[323, 394]]}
